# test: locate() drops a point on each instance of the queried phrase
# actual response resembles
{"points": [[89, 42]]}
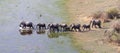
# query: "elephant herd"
{"points": [[55, 27]]}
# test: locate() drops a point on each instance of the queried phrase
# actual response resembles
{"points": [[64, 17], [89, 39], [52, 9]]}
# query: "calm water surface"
{"points": [[12, 12]]}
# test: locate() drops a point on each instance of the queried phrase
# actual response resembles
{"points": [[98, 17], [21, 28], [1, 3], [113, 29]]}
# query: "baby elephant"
{"points": [[86, 26]]}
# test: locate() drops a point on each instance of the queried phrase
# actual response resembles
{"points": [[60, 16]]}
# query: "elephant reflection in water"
{"points": [[40, 32], [25, 31]]}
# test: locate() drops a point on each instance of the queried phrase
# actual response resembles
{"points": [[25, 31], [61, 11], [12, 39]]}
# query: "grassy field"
{"points": [[90, 41]]}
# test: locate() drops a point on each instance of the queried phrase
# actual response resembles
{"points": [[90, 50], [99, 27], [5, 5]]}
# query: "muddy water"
{"points": [[14, 11]]}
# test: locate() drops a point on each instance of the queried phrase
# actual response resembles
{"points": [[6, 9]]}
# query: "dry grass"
{"points": [[80, 11], [85, 8]]}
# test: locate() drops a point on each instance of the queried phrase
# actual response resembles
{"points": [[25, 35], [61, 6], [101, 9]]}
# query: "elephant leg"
{"points": [[32, 27], [83, 29], [79, 30], [99, 26], [61, 29], [75, 30], [95, 26], [39, 28], [57, 30], [53, 30], [92, 25], [72, 29], [65, 29], [86, 29], [45, 27], [23, 26], [89, 28]]}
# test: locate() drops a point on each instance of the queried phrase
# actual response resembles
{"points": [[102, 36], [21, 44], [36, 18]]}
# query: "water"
{"points": [[12, 12]]}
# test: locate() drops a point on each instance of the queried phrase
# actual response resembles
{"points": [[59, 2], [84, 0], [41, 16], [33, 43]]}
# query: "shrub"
{"points": [[112, 13], [116, 26], [113, 34], [97, 15], [101, 15]]}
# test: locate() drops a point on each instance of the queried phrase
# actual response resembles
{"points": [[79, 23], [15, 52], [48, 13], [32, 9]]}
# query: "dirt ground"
{"points": [[79, 11]]}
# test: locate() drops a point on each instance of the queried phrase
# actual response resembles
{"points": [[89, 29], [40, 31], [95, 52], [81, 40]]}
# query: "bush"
{"points": [[116, 26], [112, 13], [97, 14], [101, 15], [113, 34]]}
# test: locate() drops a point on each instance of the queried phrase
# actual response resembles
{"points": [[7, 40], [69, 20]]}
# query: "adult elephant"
{"points": [[53, 27], [25, 24], [75, 27], [41, 26], [22, 24], [63, 27], [96, 23]]}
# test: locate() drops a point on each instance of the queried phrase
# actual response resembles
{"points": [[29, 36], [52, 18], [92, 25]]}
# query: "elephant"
{"points": [[86, 26], [67, 28], [41, 26], [25, 24], [29, 24], [53, 27], [63, 27], [75, 27], [96, 23]]}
